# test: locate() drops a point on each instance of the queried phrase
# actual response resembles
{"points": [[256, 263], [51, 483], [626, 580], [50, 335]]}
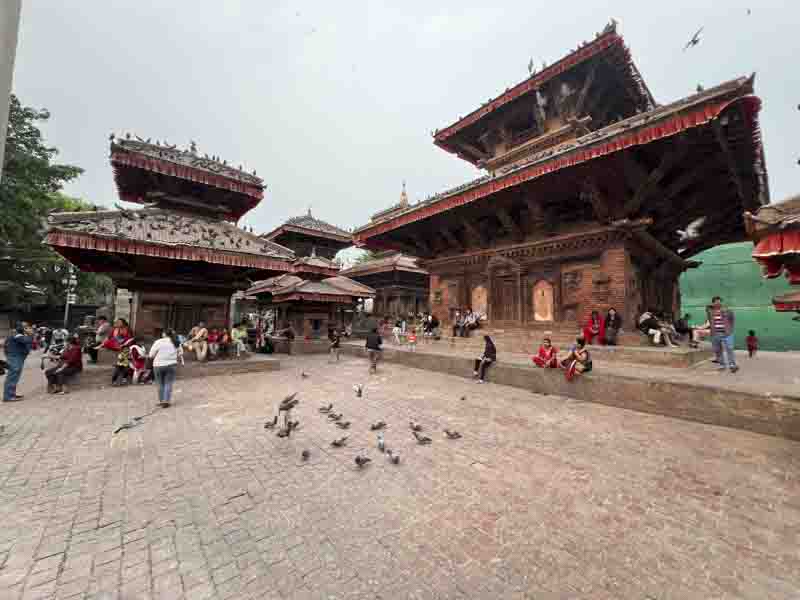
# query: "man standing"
{"points": [[17, 349], [722, 321]]}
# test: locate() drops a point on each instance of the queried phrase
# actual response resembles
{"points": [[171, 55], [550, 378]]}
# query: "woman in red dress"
{"points": [[546, 357], [594, 329], [119, 335]]}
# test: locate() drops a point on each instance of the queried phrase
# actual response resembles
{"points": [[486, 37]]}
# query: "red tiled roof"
{"points": [[395, 261]]}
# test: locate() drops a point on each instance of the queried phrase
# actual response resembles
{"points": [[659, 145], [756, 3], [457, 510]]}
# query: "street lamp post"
{"points": [[70, 283]]}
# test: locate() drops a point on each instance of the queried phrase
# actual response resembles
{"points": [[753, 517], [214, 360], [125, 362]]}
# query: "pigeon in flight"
{"points": [[362, 460], [452, 435], [421, 439], [414, 426], [340, 442], [271, 424], [694, 41], [377, 426]]}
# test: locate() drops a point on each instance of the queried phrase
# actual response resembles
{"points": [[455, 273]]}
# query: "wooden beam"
{"points": [[475, 232], [651, 184], [451, 238], [585, 90], [731, 160], [475, 150], [599, 202], [688, 178], [635, 174], [508, 223]]}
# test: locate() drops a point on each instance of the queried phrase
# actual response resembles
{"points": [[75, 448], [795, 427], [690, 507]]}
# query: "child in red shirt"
{"points": [[752, 343]]}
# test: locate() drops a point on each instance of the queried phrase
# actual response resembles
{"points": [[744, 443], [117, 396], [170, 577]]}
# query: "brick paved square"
{"points": [[542, 497]]}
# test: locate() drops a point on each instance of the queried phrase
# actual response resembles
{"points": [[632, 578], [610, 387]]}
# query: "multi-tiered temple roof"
{"points": [[597, 149], [306, 235]]}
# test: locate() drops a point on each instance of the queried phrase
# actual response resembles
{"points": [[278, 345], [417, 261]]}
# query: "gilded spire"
{"points": [[404, 196]]}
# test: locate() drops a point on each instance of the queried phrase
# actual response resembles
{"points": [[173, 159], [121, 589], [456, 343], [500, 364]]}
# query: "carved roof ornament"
{"points": [[403, 196]]}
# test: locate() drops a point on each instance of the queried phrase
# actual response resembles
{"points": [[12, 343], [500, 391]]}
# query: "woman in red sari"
{"points": [[546, 357], [594, 329], [119, 335]]}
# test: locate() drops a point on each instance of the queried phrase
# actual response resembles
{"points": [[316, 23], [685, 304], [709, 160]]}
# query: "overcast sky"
{"points": [[333, 102]]}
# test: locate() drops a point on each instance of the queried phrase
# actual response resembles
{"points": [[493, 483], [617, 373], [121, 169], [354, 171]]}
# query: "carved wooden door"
{"points": [[505, 306]]}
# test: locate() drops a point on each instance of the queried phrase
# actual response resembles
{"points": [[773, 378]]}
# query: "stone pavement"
{"points": [[543, 498]]}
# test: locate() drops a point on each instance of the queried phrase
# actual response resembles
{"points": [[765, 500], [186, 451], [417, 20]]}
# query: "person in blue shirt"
{"points": [[17, 348]]}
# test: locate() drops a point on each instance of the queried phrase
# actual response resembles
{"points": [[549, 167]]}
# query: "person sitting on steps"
{"points": [[70, 364], [546, 357], [488, 357], [578, 361]]}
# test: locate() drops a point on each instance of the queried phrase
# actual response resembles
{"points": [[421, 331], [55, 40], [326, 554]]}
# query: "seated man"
{"points": [[71, 363], [198, 341]]}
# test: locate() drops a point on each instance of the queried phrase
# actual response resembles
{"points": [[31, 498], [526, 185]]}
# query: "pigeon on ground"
{"points": [[463, 398], [377, 426], [452, 435], [343, 425], [334, 416], [358, 389], [393, 458], [305, 455], [284, 433], [326, 409], [289, 402], [293, 425], [421, 439], [271, 424], [414, 426], [304, 375], [362, 460], [340, 442]]}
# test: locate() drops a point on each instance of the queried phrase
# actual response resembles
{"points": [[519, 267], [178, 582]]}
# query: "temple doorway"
{"points": [[478, 299], [505, 305], [543, 301]]}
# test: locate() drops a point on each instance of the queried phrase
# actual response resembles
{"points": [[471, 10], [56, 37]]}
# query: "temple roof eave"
{"points": [[664, 121]]}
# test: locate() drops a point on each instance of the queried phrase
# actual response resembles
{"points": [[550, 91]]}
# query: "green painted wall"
{"points": [[729, 271]]}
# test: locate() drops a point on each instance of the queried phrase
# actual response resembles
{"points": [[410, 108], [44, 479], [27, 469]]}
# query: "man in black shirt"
{"points": [[373, 345]]}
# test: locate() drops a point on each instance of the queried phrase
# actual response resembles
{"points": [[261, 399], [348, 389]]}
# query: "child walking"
{"points": [[752, 343], [123, 366]]}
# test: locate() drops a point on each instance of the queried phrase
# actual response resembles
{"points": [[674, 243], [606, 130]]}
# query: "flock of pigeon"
{"points": [[337, 418]]}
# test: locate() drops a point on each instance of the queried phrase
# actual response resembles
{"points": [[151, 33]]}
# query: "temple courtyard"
{"points": [[543, 497]]}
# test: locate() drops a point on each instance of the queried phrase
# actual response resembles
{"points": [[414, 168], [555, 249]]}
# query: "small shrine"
{"points": [[775, 231], [306, 234]]}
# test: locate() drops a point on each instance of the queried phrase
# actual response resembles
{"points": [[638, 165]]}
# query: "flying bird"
{"points": [[377, 426], [692, 231], [452, 435], [421, 439], [340, 442], [694, 41], [414, 426], [362, 460], [271, 424]]}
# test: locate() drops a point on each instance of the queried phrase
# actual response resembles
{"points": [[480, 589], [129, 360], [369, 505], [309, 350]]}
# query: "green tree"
{"points": [[30, 189], [365, 256]]}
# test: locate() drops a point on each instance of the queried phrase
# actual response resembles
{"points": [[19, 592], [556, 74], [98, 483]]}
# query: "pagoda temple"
{"points": [[305, 235], [181, 257], [775, 231], [593, 194]]}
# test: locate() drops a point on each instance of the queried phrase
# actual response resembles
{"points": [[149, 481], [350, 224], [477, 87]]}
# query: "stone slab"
{"points": [[762, 413]]}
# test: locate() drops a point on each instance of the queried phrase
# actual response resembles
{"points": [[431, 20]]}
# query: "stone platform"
{"points": [[100, 374], [742, 401]]}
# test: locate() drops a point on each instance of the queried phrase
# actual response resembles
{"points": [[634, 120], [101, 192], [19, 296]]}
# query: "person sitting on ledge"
{"points": [[594, 329], [488, 357], [578, 361], [546, 357], [198, 341], [613, 325], [71, 363]]}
